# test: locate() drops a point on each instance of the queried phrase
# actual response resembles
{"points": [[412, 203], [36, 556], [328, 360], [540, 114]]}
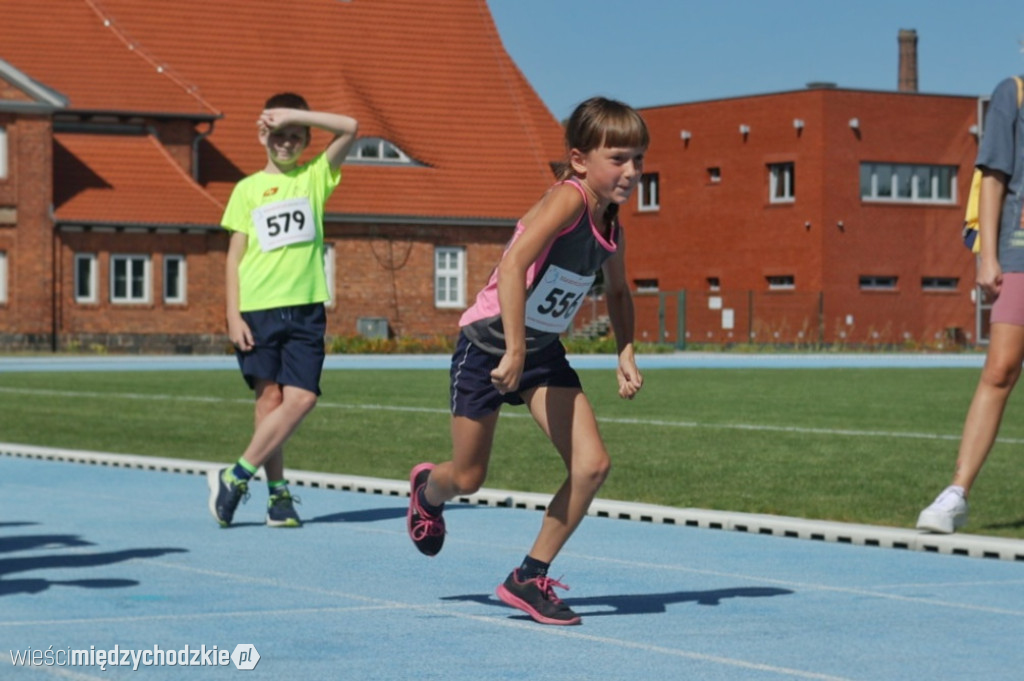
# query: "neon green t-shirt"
{"points": [[283, 217]]}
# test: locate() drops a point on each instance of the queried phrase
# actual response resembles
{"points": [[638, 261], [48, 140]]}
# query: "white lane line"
{"points": [[663, 423], [809, 586], [496, 620], [195, 616]]}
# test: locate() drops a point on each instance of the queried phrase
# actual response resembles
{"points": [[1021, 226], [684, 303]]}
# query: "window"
{"points": [[174, 279], [714, 284], [3, 153], [329, 273], [907, 183], [872, 282], [85, 278], [377, 150], [780, 183], [714, 175], [647, 194], [939, 283], [129, 278], [3, 277], [449, 277], [781, 282], [646, 285]]}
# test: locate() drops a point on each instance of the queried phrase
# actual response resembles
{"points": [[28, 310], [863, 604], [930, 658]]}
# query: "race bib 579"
{"points": [[284, 222]]}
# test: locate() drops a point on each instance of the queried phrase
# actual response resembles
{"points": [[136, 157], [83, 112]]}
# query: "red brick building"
{"points": [[815, 216], [124, 126], [820, 215]]}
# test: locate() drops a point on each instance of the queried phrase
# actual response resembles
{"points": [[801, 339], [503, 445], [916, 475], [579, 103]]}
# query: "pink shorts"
{"points": [[1009, 306]]}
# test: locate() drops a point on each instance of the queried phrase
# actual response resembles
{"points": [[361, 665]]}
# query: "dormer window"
{"points": [[377, 150]]}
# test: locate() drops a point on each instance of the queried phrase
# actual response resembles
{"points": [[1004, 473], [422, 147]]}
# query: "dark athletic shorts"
{"points": [[474, 396], [288, 346]]}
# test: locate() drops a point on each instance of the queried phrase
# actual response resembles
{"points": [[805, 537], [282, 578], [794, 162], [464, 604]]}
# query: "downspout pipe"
{"points": [[200, 136]]}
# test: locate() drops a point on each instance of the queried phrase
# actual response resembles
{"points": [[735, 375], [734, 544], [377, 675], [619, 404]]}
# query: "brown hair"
{"points": [[289, 100], [599, 122]]}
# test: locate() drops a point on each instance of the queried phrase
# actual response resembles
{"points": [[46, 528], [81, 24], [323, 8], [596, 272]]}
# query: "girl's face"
{"points": [[284, 145], [612, 173]]}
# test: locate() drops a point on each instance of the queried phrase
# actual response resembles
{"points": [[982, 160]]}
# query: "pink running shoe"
{"points": [[425, 530], [536, 597]]}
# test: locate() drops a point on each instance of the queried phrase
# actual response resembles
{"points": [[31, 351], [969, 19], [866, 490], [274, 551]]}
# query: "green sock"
{"points": [[277, 486], [244, 470]]}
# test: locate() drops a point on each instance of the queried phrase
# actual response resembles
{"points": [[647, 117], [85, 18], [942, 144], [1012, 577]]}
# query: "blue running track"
{"points": [[102, 556]]}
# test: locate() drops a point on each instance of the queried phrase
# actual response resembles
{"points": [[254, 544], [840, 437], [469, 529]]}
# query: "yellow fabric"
{"points": [[292, 274]]}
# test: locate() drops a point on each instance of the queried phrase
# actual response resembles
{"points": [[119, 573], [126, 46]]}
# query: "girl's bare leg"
{"points": [[566, 417]]}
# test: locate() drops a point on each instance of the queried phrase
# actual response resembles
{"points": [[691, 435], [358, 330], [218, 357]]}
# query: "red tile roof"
{"points": [[126, 180], [431, 77], [73, 47]]}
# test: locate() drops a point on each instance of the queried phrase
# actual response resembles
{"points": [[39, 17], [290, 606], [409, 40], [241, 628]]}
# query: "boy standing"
{"points": [[276, 290]]}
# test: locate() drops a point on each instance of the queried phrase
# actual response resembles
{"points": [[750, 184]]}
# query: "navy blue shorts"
{"points": [[474, 396], [288, 346]]}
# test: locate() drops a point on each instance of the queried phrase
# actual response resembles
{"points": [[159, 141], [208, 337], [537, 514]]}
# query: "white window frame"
{"points": [[449, 278], [901, 183], [781, 282], [4, 278], [781, 187], [133, 261], [646, 285], [4, 153], [647, 192], [179, 297], [90, 296], [329, 273], [377, 150], [878, 282], [940, 284]]}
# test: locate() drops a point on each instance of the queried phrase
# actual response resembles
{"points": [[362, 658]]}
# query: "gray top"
{"points": [[1002, 149]]}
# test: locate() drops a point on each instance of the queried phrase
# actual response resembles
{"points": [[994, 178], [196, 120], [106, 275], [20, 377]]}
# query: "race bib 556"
{"points": [[556, 299]]}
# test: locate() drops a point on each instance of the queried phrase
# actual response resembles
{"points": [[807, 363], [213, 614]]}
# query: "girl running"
{"points": [[509, 351]]}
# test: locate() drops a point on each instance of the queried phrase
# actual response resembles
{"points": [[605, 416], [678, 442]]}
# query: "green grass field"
{"points": [[855, 445]]}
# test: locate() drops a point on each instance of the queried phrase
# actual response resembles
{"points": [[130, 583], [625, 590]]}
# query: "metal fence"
{"points": [[784, 318]]}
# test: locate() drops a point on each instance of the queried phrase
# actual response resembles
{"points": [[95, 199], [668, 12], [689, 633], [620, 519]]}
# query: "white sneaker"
{"points": [[947, 514]]}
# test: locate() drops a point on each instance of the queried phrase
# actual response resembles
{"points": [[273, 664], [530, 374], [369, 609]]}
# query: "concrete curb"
{"points": [[975, 546]]}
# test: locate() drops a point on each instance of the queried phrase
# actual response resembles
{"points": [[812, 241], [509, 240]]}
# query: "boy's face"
{"points": [[284, 145]]}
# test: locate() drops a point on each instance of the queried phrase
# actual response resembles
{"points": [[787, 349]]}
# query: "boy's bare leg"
{"points": [[275, 427], [269, 396]]}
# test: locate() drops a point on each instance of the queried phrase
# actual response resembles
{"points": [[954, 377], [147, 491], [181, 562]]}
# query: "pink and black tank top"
{"points": [[556, 285]]}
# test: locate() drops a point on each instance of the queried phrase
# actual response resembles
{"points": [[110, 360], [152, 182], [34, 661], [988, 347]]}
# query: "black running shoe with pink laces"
{"points": [[536, 597], [425, 530]]}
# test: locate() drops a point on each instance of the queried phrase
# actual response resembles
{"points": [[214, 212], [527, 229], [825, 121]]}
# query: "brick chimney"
{"points": [[908, 60]]}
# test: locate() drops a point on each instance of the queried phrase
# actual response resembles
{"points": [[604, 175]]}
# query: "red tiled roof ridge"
{"points": [[513, 83], [136, 48]]}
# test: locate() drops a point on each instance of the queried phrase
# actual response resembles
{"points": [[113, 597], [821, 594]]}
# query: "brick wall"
{"points": [[389, 273], [828, 236], [25, 232], [380, 272]]}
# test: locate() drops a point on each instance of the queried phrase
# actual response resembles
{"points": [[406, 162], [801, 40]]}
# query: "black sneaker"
{"points": [[281, 510], [225, 492], [425, 530], [536, 597]]}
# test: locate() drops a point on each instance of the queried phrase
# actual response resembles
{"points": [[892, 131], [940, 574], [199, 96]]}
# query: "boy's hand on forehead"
{"points": [[273, 119]]}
